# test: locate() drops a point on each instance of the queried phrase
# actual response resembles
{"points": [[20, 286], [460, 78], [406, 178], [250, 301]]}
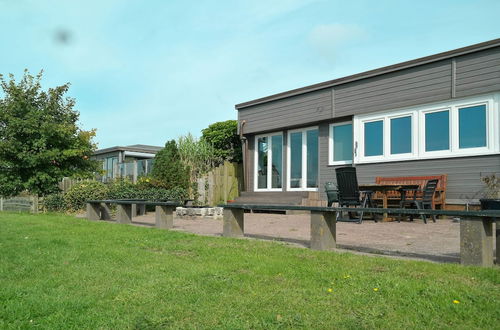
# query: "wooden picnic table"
{"points": [[384, 189]]}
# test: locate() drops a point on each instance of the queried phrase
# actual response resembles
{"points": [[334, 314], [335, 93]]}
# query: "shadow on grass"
{"points": [[448, 258]]}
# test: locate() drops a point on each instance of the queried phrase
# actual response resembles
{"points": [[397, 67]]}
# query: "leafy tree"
{"points": [[168, 170], [40, 141], [223, 136]]}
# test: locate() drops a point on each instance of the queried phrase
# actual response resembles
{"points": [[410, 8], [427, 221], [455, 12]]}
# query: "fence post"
{"points": [[1, 203], [35, 204]]}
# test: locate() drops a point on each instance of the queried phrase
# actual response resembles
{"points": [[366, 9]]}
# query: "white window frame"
{"points": [[361, 143], [331, 152], [436, 153], [418, 130], [413, 140], [304, 159], [269, 162], [489, 128]]}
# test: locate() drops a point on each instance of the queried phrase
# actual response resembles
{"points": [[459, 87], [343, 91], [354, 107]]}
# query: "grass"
{"points": [[60, 272]]}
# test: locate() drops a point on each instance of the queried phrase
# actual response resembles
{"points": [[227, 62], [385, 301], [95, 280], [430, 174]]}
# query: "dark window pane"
{"points": [[262, 163], [401, 135], [472, 126], [342, 142], [437, 131], [312, 158], [374, 140], [277, 161], [295, 159]]}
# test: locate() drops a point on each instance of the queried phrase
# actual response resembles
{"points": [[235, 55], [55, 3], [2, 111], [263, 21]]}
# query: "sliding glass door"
{"points": [[303, 159], [269, 162]]}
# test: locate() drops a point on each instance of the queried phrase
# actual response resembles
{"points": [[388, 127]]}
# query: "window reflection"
{"points": [[277, 161], [262, 163], [312, 158]]}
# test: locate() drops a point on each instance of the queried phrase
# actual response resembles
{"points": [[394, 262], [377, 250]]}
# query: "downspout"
{"points": [[244, 144]]}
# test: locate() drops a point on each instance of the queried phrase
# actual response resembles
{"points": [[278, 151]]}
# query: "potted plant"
{"points": [[491, 200]]}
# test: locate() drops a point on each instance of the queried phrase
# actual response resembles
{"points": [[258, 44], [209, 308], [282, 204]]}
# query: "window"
{"points": [[303, 159], [295, 162], [466, 127], [374, 138], [401, 135], [437, 130], [111, 168], [340, 144], [269, 162], [472, 127]]}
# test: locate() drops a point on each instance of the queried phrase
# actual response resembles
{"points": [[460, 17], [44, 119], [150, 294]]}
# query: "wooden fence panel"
{"points": [[221, 184]]}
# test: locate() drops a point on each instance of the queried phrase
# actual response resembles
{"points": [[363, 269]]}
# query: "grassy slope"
{"points": [[61, 272]]}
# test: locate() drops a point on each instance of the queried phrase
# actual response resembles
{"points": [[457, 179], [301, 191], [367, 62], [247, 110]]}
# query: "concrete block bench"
{"points": [[476, 227], [164, 211]]}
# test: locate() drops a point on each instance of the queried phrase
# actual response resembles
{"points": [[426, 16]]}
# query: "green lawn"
{"points": [[60, 272]]}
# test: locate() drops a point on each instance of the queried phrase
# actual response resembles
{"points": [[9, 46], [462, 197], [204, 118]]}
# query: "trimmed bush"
{"points": [[122, 189], [76, 197], [55, 203], [156, 194]]}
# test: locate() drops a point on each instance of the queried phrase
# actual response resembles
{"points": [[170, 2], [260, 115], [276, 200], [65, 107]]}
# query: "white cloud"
{"points": [[328, 38]]}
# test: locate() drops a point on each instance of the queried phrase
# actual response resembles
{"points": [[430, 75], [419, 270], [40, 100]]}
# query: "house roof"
{"points": [[375, 72], [135, 148]]}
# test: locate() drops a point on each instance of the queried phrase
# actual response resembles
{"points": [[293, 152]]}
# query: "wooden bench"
{"points": [[439, 199], [476, 227]]}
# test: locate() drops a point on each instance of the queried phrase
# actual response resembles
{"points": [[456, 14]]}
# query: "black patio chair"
{"points": [[332, 193], [420, 203], [349, 193]]}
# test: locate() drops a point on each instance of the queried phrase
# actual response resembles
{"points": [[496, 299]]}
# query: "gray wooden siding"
{"points": [[478, 73], [471, 74], [419, 85], [292, 111]]}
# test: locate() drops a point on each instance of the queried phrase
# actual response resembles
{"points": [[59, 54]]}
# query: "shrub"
{"points": [[54, 203], [160, 194], [77, 195], [150, 189], [169, 171], [223, 136], [122, 189]]}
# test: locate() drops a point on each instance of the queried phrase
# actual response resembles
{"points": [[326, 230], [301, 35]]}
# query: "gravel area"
{"points": [[438, 241]]}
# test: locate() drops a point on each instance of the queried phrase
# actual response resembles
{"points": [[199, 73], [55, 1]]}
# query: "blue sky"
{"points": [[149, 71]]}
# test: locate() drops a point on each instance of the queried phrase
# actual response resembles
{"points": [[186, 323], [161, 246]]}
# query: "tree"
{"points": [[223, 136], [40, 141], [168, 170]]}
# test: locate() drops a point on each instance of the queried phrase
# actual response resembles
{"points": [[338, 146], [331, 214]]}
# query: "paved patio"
{"points": [[435, 241]]}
